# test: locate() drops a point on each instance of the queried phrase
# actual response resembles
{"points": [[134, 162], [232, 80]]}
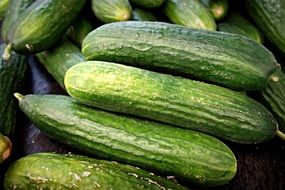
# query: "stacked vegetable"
{"points": [[161, 96]]}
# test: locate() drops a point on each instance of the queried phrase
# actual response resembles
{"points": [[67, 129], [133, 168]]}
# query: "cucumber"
{"points": [[274, 96], [4, 4], [190, 13], [188, 155], [269, 17], [16, 7], [112, 10], [12, 77], [217, 8], [79, 30], [225, 59], [143, 15], [245, 28], [41, 171], [60, 58], [177, 101], [42, 24], [5, 147], [147, 3]]}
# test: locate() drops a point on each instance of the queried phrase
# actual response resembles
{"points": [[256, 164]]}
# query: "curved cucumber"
{"points": [[225, 59], [42, 24], [148, 3], [190, 13], [174, 100], [4, 4], [188, 155], [218, 8], [5, 148], [112, 10], [269, 16], [143, 15], [60, 58], [41, 171]]}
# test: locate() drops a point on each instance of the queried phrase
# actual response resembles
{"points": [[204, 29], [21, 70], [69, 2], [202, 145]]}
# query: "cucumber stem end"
{"points": [[18, 96], [280, 134]]}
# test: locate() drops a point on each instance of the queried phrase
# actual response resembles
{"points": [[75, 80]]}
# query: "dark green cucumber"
{"points": [[229, 28], [147, 3], [182, 102], [190, 13], [41, 171], [5, 148], [42, 24], [58, 59], [143, 15], [16, 7], [225, 59], [188, 155], [218, 8], [4, 4], [269, 16], [112, 10], [274, 95], [12, 77], [79, 30]]}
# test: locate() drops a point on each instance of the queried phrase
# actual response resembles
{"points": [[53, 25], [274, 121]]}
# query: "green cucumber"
{"points": [[4, 4], [58, 59], [218, 8], [143, 15], [225, 59], [190, 13], [188, 155], [147, 3], [79, 30], [42, 24], [5, 148], [12, 77], [274, 95], [16, 7], [229, 28], [41, 171], [177, 101], [269, 16], [112, 10]]}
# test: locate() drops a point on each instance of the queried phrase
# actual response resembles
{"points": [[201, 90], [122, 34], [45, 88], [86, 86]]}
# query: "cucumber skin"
{"points": [[190, 13], [143, 15], [58, 59], [112, 10], [148, 3], [235, 62], [177, 101], [42, 24], [40, 170], [218, 8], [4, 4], [269, 17], [187, 155], [12, 78]]}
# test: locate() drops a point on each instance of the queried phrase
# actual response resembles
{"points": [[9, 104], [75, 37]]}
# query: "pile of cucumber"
{"points": [[156, 89]]}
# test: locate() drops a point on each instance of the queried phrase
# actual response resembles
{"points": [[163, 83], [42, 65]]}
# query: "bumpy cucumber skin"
{"points": [[5, 147], [147, 3], [112, 10], [16, 7], [58, 59], [274, 95], [41, 171], [190, 13], [218, 8], [12, 77], [188, 155], [143, 15], [225, 59], [4, 4], [189, 104], [42, 24], [269, 16]]}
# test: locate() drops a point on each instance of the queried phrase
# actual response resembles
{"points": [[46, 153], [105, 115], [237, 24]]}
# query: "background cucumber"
{"points": [[269, 16], [5, 148], [147, 3], [143, 15], [112, 10], [12, 77], [188, 155], [174, 100], [190, 13], [217, 8], [235, 62], [40, 171], [4, 4], [58, 59], [42, 24]]}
